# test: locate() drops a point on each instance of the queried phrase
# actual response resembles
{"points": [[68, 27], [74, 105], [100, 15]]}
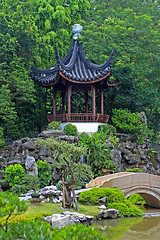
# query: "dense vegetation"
{"points": [[29, 31]]}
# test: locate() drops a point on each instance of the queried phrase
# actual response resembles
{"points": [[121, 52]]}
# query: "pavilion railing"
{"points": [[79, 117]]}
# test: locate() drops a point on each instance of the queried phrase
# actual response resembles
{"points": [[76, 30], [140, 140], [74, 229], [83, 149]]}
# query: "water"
{"points": [[137, 228]]}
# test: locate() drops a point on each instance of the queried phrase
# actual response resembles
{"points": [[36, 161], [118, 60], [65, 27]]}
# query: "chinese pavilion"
{"points": [[75, 72]]}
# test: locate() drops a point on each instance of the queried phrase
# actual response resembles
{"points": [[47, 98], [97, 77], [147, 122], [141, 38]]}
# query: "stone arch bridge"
{"points": [[146, 185]]}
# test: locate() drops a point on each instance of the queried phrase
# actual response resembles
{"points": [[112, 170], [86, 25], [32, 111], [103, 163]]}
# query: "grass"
{"points": [[47, 209], [52, 208]]}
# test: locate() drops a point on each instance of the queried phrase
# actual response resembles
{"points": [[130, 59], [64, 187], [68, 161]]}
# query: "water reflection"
{"points": [[147, 228]]}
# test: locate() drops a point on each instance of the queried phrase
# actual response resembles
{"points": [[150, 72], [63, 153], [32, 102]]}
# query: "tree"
{"points": [[64, 155], [10, 205], [131, 27]]}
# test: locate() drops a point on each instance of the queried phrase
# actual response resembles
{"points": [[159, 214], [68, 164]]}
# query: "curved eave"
{"points": [[84, 82]]}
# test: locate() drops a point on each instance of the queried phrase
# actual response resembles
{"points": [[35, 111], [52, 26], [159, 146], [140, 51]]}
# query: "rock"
{"points": [[102, 200], [59, 221], [52, 193], [103, 207], [31, 166], [110, 213], [50, 133]]}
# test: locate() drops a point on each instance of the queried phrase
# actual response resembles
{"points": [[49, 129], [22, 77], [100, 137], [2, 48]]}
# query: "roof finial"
{"points": [[77, 28]]}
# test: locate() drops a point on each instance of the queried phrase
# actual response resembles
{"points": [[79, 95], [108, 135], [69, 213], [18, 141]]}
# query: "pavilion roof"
{"points": [[74, 67]]}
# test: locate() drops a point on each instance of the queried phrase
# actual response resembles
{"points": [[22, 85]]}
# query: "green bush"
{"points": [[137, 199], [92, 196], [70, 129], [108, 129], [133, 170], [44, 173], [78, 232], [127, 122], [27, 182], [2, 142], [83, 174], [98, 154], [126, 209], [36, 229], [54, 125], [14, 174]]}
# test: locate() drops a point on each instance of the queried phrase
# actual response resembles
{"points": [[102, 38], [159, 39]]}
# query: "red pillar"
{"points": [[86, 105], [63, 94], [69, 99], [93, 101], [54, 104], [102, 101]]}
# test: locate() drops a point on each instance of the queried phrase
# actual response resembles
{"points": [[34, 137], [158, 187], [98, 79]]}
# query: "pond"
{"points": [[137, 228]]}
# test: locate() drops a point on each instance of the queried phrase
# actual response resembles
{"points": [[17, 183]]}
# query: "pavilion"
{"points": [[75, 73]]}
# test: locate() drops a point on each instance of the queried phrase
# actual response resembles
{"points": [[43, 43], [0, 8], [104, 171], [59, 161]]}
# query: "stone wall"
{"points": [[127, 154]]}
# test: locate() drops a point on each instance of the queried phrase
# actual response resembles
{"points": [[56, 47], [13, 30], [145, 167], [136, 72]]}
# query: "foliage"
{"points": [[65, 155], [44, 173], [133, 170], [98, 154], [70, 129], [128, 122], [126, 209], [131, 27], [77, 232], [54, 125], [92, 196], [14, 174], [33, 228], [108, 129], [28, 230], [83, 174], [10, 205], [2, 142], [27, 183], [137, 199]]}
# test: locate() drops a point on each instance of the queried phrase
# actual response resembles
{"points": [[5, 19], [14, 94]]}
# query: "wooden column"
{"points": [[63, 95], [86, 102], [102, 101], [93, 99], [54, 104], [69, 98]]}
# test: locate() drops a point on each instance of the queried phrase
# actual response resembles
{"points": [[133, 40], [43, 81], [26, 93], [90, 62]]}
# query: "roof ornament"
{"points": [[77, 28]]}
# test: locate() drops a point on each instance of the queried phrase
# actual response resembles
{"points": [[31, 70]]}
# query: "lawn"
{"points": [[46, 209]]}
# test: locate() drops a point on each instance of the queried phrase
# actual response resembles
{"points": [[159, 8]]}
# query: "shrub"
{"points": [[54, 125], [14, 174], [2, 142], [34, 229], [128, 122], [98, 151], [108, 129], [70, 129], [83, 174], [44, 173], [27, 182], [126, 209], [78, 232], [137, 199], [10, 205], [92, 196], [133, 170]]}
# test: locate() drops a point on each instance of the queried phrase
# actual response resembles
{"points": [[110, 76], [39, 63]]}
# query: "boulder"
{"points": [[31, 166], [68, 218], [103, 207], [110, 213]]}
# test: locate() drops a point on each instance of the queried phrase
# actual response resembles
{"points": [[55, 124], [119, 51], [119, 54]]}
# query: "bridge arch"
{"points": [[150, 195]]}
